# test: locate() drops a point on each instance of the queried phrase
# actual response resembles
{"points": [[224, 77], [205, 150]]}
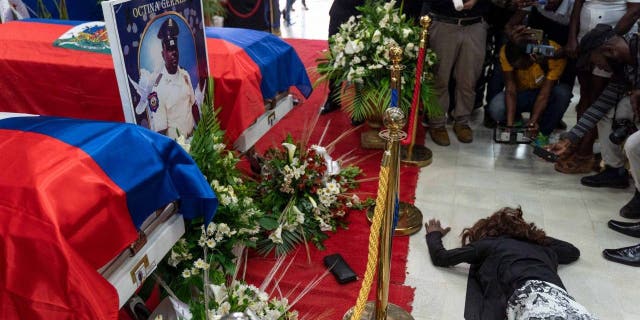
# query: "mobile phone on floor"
{"points": [[544, 153]]}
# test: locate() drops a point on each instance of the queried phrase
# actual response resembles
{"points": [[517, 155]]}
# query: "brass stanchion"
{"points": [[410, 217], [394, 120], [413, 154]]}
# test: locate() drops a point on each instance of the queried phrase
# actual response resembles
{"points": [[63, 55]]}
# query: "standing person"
{"points": [[514, 268], [286, 13], [586, 14], [340, 12], [172, 101], [458, 37]]}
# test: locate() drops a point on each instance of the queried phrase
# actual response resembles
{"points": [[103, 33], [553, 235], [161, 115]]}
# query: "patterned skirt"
{"points": [[540, 300]]}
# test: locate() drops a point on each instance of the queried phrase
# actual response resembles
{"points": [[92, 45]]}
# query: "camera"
{"points": [[541, 49], [621, 129]]}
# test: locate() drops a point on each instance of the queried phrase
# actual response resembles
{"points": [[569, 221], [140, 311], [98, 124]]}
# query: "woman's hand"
{"points": [[560, 148], [434, 226]]}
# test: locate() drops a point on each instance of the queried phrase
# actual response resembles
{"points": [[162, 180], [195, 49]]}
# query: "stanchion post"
{"points": [[425, 22], [394, 120]]}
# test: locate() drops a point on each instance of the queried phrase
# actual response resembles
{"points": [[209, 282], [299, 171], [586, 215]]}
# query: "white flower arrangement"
{"points": [[359, 55], [307, 190]]}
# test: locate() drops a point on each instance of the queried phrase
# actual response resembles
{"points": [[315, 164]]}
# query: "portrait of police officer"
{"points": [[172, 100]]}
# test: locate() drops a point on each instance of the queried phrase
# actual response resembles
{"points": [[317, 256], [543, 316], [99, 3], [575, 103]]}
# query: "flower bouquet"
{"points": [[359, 56], [303, 193]]}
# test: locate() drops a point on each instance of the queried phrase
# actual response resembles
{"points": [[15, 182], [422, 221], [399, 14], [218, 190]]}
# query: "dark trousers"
{"points": [[556, 106]]}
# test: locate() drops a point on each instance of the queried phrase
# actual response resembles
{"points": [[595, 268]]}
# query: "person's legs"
{"points": [[497, 108], [556, 107], [632, 149], [524, 103], [444, 41], [466, 72], [614, 175], [495, 83]]}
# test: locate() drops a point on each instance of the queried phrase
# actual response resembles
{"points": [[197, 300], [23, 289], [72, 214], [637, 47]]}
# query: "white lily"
{"points": [[291, 149], [376, 36]]}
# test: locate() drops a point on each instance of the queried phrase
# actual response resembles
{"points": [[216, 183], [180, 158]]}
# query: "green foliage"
{"points": [[213, 8], [61, 7]]}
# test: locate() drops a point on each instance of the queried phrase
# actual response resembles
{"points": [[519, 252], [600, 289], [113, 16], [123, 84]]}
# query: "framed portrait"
{"points": [[160, 58]]}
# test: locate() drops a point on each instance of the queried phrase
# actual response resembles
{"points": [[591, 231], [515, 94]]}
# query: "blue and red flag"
{"points": [[73, 194]]}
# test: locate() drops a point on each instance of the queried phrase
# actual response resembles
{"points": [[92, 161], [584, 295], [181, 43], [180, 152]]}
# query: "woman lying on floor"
{"points": [[513, 272]]}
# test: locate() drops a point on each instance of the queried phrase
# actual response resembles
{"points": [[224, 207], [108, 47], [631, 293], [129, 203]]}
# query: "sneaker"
{"points": [[463, 133], [631, 210], [440, 136], [610, 177], [541, 140]]}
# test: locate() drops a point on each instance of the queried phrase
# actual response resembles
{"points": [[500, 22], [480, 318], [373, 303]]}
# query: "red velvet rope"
{"points": [[416, 99], [244, 15]]}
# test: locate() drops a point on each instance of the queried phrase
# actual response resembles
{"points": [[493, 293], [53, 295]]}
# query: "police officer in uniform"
{"points": [[172, 100]]}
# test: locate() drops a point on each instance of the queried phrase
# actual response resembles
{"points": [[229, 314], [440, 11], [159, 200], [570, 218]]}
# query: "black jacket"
{"points": [[498, 267]]}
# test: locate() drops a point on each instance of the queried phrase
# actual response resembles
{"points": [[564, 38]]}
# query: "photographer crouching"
{"points": [[613, 114], [531, 73]]}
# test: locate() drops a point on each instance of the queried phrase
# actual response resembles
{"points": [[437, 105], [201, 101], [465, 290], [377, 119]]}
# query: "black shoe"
{"points": [[329, 106], [628, 255], [610, 177], [561, 125], [631, 210], [628, 228]]}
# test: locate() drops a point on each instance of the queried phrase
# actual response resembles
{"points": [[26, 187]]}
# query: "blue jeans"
{"points": [[556, 106]]}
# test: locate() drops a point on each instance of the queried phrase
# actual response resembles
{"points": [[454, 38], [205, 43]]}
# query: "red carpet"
{"points": [[329, 296]]}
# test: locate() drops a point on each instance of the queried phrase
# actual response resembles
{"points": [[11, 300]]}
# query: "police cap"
{"points": [[168, 33]]}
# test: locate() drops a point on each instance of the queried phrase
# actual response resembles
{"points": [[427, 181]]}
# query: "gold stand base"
{"points": [[421, 156], [409, 222], [371, 140], [393, 312]]}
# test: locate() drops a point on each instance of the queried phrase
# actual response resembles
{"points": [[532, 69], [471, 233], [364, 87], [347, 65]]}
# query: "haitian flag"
{"points": [[260, 59], [73, 194]]}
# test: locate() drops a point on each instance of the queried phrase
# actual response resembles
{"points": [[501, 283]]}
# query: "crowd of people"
{"points": [[519, 59]]}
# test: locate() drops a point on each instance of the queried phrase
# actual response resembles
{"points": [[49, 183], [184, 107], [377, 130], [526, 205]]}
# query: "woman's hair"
{"points": [[505, 222]]}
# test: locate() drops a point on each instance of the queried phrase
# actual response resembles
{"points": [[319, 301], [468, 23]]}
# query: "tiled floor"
{"points": [[470, 181]]}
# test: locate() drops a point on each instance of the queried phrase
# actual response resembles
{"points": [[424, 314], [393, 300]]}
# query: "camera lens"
{"points": [[618, 135]]}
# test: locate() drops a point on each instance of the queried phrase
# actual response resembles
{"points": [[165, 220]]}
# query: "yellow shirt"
{"points": [[533, 77]]}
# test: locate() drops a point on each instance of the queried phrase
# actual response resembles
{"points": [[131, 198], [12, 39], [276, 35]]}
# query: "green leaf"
{"points": [[268, 223]]}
